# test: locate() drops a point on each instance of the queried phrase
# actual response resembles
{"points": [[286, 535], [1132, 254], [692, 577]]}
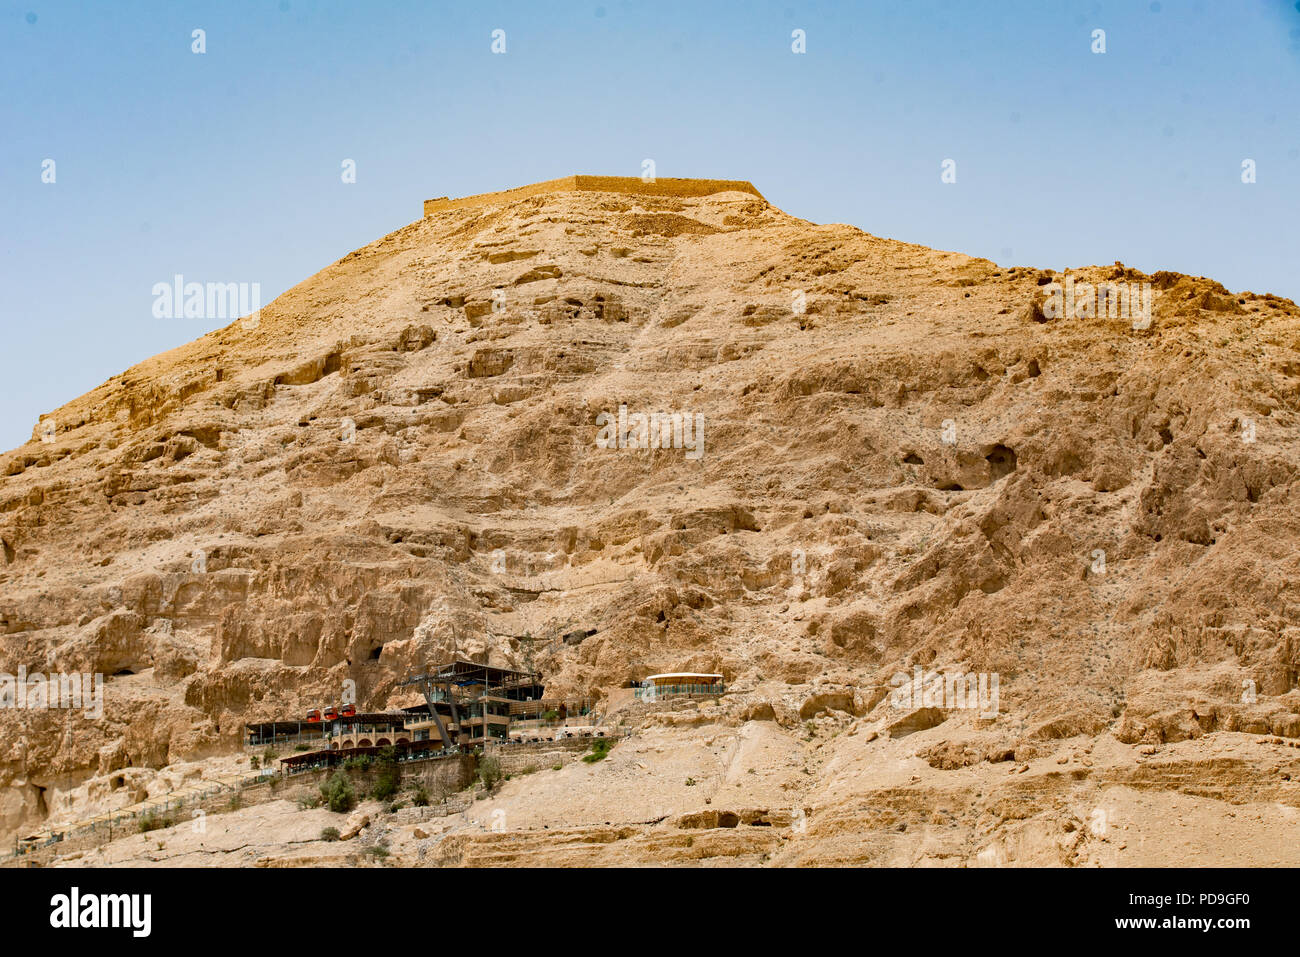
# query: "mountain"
{"points": [[880, 458]]}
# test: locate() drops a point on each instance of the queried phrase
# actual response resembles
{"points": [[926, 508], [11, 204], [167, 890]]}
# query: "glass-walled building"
{"points": [[676, 684]]}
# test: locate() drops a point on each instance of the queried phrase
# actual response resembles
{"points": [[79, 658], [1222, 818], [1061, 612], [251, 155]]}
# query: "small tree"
{"points": [[389, 778], [489, 772], [338, 794]]}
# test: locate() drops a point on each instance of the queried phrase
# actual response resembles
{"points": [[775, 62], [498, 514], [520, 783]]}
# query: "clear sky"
{"points": [[225, 166]]}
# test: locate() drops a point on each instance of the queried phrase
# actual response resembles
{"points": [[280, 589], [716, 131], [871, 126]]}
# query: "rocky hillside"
{"points": [[905, 462]]}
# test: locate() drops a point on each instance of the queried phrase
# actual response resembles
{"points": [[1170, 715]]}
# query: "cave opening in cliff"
{"points": [[1002, 461]]}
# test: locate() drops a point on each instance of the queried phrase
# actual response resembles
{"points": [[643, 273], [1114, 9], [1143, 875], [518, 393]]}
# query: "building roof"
{"points": [[683, 674], [462, 672], [394, 718]]}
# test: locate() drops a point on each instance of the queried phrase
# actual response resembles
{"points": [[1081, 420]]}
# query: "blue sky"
{"points": [[225, 166]]}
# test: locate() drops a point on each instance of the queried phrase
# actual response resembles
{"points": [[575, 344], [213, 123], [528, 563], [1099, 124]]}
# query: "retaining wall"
{"points": [[441, 777]]}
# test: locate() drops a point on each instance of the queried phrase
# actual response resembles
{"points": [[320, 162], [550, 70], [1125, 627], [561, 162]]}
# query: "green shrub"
{"points": [[599, 751], [489, 772], [389, 778], [337, 793], [420, 798], [329, 834], [154, 822]]}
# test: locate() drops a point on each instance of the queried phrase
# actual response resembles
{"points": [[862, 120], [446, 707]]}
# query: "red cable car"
{"points": [[313, 714], [347, 711], [331, 713]]}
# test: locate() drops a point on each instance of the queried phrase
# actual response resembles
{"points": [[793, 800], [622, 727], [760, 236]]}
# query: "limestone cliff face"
{"points": [[904, 462]]}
